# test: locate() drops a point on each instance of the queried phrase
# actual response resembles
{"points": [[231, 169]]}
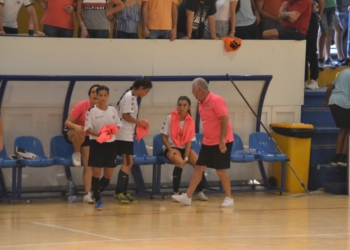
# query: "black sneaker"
{"points": [[329, 63], [335, 160], [343, 160]]}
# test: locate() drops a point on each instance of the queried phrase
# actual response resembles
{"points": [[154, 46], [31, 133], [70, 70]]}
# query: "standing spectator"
{"points": [[102, 155], [325, 34], [247, 20], [8, 16], [338, 39], [338, 99], [192, 16], [93, 17], [268, 10], [295, 16], [225, 24], [311, 45], [58, 17], [127, 20], [73, 133], [217, 142], [128, 112], [159, 19], [178, 132]]}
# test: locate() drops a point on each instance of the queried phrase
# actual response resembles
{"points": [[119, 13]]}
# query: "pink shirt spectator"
{"points": [[56, 16], [210, 111], [79, 113]]}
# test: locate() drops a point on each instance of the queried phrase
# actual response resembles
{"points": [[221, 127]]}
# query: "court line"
{"points": [[76, 231], [56, 243]]}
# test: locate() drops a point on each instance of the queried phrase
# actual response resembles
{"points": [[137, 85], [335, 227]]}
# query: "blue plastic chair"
{"points": [[238, 146], [141, 157], [7, 162], [267, 152], [33, 145], [265, 147]]}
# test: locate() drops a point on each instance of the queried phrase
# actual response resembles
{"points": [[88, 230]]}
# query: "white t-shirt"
{"points": [[166, 131], [128, 104], [223, 9], [245, 15], [97, 118], [10, 11]]}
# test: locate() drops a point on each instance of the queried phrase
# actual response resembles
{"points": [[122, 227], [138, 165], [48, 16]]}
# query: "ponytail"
{"points": [[143, 82]]}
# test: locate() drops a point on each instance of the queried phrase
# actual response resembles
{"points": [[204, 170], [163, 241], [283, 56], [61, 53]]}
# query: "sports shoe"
{"points": [[343, 160], [76, 158], [175, 194], [182, 199], [98, 206], [201, 196], [88, 198], [330, 63], [312, 85], [228, 202], [130, 198], [335, 160], [121, 198], [320, 63], [255, 182]]}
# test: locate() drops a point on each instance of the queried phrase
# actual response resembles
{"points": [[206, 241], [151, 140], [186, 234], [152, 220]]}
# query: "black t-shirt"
{"points": [[201, 13]]}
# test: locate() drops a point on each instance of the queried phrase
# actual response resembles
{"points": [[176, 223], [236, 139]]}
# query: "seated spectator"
{"points": [[58, 17], [192, 16], [8, 16], [225, 17], [73, 133], [177, 146], [268, 10], [247, 20], [127, 20], [337, 97], [295, 16], [159, 19], [93, 17]]}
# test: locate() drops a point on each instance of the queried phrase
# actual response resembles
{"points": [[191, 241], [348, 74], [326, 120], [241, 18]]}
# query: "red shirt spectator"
{"points": [[304, 9]]}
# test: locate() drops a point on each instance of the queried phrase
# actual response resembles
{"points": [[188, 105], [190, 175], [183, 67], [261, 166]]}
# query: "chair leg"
{"points": [[68, 172], [19, 183], [137, 174], [159, 175], [283, 177], [2, 185], [14, 183], [263, 174]]}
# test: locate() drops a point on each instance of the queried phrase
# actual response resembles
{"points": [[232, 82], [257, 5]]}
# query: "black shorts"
{"points": [[211, 157], [182, 152], [102, 155], [125, 147], [86, 143], [341, 116], [290, 34]]}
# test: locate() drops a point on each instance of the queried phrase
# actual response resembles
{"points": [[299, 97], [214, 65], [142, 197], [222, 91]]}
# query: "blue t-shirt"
{"points": [[341, 92]]}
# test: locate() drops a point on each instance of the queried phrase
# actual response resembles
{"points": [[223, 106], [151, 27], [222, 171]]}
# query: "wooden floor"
{"points": [[257, 221]]}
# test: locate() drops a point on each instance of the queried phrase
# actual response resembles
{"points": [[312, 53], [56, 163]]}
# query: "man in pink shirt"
{"points": [[217, 142]]}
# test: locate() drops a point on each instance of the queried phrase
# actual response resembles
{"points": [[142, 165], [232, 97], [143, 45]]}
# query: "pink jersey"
{"points": [[210, 112], [79, 112]]}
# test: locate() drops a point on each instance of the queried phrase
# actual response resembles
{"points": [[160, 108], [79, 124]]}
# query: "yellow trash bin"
{"points": [[294, 139]]}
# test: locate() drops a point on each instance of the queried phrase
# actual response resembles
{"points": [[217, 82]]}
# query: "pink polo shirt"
{"points": [[210, 111], [79, 112]]}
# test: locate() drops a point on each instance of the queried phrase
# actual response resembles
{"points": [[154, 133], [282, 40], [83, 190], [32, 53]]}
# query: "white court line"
{"points": [[56, 243], [77, 231]]}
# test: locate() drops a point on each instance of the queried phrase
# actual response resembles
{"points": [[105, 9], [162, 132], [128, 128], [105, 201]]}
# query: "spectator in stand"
{"points": [[337, 98], [58, 17], [325, 34], [127, 20], [192, 17], [8, 16], [295, 16], [247, 20], [1, 137], [268, 10], [94, 15], [225, 17], [159, 19], [311, 45], [338, 34]]}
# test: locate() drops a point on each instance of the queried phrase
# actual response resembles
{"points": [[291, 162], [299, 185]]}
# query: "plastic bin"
{"points": [[294, 139]]}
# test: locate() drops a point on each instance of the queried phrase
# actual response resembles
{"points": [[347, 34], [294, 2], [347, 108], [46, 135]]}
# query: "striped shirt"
{"points": [[128, 19]]}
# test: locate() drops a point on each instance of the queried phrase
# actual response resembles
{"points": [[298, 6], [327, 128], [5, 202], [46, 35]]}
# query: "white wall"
{"points": [[35, 108]]}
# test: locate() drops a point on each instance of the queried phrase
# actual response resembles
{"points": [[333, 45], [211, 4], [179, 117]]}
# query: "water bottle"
{"points": [[31, 27], [71, 197]]}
